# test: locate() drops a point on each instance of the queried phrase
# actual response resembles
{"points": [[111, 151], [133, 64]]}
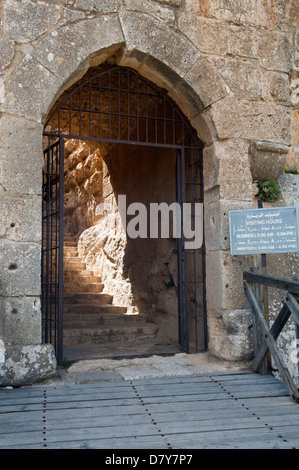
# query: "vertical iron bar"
{"points": [[203, 251], [181, 326], [60, 274], [185, 274]]}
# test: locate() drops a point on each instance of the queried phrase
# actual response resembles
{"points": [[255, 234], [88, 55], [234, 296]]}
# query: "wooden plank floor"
{"points": [[225, 410]]}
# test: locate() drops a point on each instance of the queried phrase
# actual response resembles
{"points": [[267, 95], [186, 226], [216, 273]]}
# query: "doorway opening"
{"points": [[114, 140]]}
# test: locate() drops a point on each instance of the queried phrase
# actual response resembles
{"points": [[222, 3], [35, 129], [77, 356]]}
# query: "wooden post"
{"points": [[257, 330]]}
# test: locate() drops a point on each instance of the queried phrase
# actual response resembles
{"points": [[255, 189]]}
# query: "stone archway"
{"points": [[52, 63]]}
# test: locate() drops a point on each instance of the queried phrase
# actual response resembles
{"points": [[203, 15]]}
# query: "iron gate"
{"points": [[52, 245], [117, 105]]}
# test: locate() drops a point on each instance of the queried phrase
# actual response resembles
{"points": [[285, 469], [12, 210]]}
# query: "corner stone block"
{"points": [[226, 272], [20, 320], [27, 365], [21, 216], [150, 36], [268, 160], [21, 156], [20, 266], [226, 164]]}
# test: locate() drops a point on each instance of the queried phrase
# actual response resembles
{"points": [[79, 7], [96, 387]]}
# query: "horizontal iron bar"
{"points": [[271, 281], [120, 115], [117, 141]]}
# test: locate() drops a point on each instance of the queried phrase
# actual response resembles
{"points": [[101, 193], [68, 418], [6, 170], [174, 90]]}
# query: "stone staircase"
{"points": [[89, 317]]}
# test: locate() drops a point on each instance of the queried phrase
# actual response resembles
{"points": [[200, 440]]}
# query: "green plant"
{"points": [[268, 190], [293, 172]]}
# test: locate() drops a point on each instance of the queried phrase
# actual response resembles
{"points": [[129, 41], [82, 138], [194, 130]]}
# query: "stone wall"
{"points": [[231, 66]]}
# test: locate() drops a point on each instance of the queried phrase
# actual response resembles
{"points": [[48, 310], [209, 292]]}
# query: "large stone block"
{"points": [[226, 117], [243, 76], [20, 320], [206, 82], [208, 35], [265, 121], [216, 213], [229, 336], [26, 20], [150, 36], [27, 365], [21, 156], [21, 216], [157, 10], [31, 90], [69, 50], [252, 12], [20, 269], [103, 6], [226, 164], [224, 276], [272, 48]]}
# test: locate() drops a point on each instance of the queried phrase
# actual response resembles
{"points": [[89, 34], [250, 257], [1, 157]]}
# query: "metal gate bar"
{"points": [[52, 246]]}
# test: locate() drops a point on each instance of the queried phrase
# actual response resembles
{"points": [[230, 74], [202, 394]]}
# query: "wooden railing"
{"points": [[264, 337]]}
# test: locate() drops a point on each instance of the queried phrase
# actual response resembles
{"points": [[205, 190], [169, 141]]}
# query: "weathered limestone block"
{"points": [[226, 117], [27, 365], [216, 213], [20, 218], [267, 160], [276, 87], [207, 87], [243, 76], [225, 273], [272, 48], [31, 89], [236, 324], [17, 312], [226, 164], [25, 21], [2, 352], [7, 51], [148, 35], [252, 12], [229, 336], [157, 10], [209, 36], [20, 269], [21, 159], [265, 121], [102, 6], [69, 50]]}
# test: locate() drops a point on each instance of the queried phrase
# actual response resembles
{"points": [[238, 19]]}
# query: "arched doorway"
{"points": [[114, 105]]}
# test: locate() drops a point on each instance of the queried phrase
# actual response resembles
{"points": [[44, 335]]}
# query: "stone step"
{"points": [[73, 336], [83, 287], [79, 309], [81, 278], [70, 271], [95, 320], [87, 298], [74, 263], [70, 251]]}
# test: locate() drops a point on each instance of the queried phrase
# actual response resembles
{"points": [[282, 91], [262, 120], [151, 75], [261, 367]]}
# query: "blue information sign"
{"points": [[262, 231]]}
